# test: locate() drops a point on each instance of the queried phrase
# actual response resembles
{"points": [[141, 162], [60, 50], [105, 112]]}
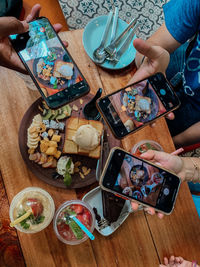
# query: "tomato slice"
{"points": [[36, 206]]}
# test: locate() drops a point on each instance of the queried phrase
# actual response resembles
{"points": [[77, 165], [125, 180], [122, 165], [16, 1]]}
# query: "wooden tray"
{"points": [[46, 174]]}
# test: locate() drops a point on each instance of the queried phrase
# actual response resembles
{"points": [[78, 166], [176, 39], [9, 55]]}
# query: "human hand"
{"points": [[149, 60], [176, 262], [11, 25], [154, 59], [168, 161]]}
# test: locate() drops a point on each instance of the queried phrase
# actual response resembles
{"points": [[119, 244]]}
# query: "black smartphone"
{"points": [[134, 106], [136, 179], [49, 64]]}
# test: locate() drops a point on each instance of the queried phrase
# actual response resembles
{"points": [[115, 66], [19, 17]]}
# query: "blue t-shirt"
{"points": [[182, 19]]}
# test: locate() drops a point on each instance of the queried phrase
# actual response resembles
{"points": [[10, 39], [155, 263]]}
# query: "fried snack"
{"points": [[70, 147]]}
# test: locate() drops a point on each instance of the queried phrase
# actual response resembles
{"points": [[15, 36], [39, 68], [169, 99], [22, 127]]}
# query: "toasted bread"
{"points": [[70, 147], [69, 134], [95, 153], [97, 125], [72, 123]]}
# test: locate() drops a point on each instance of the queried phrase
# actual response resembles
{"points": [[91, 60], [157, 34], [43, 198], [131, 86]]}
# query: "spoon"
{"points": [[90, 111], [99, 53]]}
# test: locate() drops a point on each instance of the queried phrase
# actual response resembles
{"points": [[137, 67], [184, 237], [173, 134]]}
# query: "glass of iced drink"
{"points": [[66, 228], [35, 206]]}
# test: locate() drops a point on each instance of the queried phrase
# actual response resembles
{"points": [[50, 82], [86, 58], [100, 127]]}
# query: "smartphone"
{"points": [[131, 108], [49, 64], [136, 179]]}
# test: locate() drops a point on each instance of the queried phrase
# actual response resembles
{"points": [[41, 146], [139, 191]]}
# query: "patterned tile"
{"points": [[149, 12]]}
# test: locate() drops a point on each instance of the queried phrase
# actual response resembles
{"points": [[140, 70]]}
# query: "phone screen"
{"points": [[132, 177], [130, 108], [47, 60]]}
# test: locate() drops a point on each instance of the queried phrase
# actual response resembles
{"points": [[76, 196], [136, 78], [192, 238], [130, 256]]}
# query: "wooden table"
{"points": [[143, 240]]}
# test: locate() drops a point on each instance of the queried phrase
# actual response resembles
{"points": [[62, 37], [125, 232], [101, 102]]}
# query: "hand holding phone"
{"points": [[131, 108], [49, 64], [136, 179]]}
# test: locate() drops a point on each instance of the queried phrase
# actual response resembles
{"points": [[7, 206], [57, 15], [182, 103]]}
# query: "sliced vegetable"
{"points": [[67, 179]]}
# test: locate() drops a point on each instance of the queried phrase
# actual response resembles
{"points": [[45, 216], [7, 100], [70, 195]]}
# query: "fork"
{"points": [[118, 53], [110, 49]]}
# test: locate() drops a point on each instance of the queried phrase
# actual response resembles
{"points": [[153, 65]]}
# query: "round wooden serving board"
{"points": [[46, 174]]}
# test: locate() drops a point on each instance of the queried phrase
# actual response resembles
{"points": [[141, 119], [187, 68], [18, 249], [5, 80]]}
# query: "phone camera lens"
{"points": [[119, 154], [21, 38]]}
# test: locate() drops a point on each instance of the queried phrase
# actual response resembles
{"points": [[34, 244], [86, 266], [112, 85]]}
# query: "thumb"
{"points": [[149, 155], [148, 50], [11, 25]]}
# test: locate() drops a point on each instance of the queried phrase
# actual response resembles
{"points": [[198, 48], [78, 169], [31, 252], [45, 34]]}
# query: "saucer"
{"points": [[92, 36]]}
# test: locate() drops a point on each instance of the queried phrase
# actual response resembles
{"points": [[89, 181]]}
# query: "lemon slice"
{"points": [[20, 219]]}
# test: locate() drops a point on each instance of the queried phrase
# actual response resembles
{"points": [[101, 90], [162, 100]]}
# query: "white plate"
{"points": [[94, 199], [92, 36]]}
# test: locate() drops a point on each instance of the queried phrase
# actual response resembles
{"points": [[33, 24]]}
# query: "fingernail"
{"points": [[149, 212]]}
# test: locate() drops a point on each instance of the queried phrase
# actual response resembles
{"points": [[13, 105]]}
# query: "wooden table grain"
{"points": [[142, 240]]}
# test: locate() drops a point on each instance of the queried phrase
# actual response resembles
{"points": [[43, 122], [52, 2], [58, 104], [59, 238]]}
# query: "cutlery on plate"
{"points": [[110, 49], [99, 53], [114, 25], [118, 53]]}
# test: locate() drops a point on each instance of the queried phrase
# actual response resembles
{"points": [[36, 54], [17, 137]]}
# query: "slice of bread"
{"points": [[58, 65], [69, 134], [97, 125], [72, 123], [95, 153], [70, 147]]}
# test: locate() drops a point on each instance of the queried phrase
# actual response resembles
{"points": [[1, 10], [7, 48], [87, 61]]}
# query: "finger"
{"points": [[161, 265], [170, 116], [171, 260], [149, 155], [177, 260], [11, 25], [134, 205], [65, 43], [153, 124], [160, 215], [166, 261], [181, 259], [57, 27], [140, 74], [150, 211], [35, 12], [178, 151], [149, 51]]}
